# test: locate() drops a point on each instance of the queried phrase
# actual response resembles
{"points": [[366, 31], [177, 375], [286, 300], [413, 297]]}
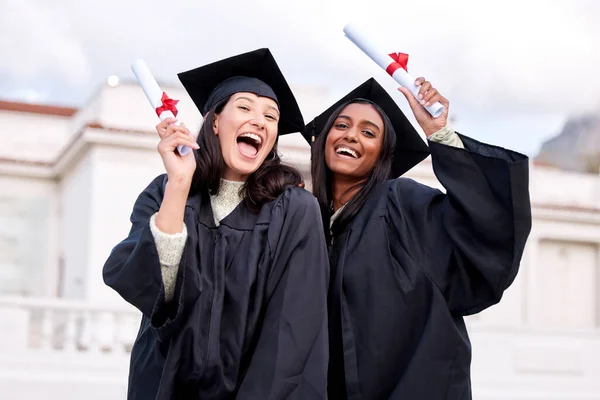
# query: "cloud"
{"points": [[515, 56], [28, 95], [525, 56], [36, 40]]}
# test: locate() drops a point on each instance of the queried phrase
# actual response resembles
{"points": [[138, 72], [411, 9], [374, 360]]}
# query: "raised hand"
{"points": [[179, 168], [427, 96]]}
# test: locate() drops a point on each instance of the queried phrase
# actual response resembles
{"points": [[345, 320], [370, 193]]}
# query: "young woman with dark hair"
{"points": [[226, 258], [407, 261]]}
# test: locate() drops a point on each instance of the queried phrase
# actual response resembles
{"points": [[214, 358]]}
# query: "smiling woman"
{"points": [[247, 129], [226, 257], [353, 160], [408, 262]]}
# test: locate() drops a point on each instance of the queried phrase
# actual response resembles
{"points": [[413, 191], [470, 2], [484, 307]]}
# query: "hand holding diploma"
{"points": [[164, 106], [180, 170], [427, 94], [395, 64]]}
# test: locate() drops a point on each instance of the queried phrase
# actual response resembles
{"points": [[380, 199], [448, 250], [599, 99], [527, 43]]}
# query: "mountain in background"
{"points": [[576, 147]]}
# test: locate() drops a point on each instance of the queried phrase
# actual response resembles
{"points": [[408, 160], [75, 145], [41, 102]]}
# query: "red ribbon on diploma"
{"points": [[167, 105], [401, 61]]}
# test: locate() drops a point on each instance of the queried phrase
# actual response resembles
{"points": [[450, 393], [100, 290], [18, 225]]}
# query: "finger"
{"points": [[184, 129], [169, 130], [433, 100], [170, 144], [180, 138], [431, 93], [180, 128], [182, 135], [425, 86], [187, 143], [414, 104], [444, 101], [437, 98], [190, 142], [419, 81], [161, 128], [166, 122]]}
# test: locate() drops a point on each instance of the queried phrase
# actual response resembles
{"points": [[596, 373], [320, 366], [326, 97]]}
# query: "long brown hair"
{"points": [[264, 185]]}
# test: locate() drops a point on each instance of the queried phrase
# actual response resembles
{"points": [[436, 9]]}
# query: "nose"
{"points": [[258, 121], [351, 135]]}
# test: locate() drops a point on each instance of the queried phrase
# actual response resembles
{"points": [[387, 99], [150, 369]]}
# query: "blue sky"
{"points": [[512, 70]]}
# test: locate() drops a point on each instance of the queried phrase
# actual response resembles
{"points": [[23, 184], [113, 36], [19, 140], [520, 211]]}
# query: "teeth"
{"points": [[252, 136], [346, 150]]}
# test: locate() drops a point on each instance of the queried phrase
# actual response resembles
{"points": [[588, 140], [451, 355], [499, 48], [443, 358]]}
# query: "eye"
{"points": [[369, 133], [271, 117], [245, 108], [341, 125]]}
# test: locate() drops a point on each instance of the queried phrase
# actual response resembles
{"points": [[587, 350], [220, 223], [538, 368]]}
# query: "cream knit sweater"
{"points": [[170, 246]]}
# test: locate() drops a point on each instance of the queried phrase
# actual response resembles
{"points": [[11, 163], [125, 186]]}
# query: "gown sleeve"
{"points": [[133, 268], [291, 356], [470, 240]]}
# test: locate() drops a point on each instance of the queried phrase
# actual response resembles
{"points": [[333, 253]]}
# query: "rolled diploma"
{"points": [[384, 60], [154, 94]]}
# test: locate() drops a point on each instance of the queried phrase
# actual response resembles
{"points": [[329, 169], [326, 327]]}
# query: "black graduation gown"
{"points": [[249, 315], [413, 262]]}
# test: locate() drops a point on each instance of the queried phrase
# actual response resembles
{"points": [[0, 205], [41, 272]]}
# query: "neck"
{"points": [[343, 189], [231, 176], [232, 181]]}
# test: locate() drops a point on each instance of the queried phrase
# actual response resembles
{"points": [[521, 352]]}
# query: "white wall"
{"points": [[28, 242], [534, 364], [75, 226], [25, 136], [573, 189], [567, 285]]}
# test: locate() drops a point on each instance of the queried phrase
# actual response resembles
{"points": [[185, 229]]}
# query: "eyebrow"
{"points": [[364, 121], [252, 101]]}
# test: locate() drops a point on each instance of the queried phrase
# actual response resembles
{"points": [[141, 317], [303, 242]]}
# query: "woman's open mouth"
{"points": [[249, 144], [347, 152]]}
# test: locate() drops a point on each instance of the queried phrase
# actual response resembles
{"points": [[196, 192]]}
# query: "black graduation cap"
{"points": [[255, 72], [410, 148]]}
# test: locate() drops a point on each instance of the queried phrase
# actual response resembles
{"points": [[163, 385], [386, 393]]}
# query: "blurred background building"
{"points": [[65, 202]]}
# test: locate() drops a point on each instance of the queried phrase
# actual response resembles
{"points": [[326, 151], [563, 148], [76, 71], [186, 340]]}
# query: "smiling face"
{"points": [[247, 130], [354, 141]]}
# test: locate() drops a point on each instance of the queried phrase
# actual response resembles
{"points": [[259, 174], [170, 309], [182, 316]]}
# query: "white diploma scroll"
{"points": [[391, 66], [155, 95]]}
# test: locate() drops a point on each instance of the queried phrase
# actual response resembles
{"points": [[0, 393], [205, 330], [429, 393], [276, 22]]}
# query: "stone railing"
{"points": [[54, 324]]}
